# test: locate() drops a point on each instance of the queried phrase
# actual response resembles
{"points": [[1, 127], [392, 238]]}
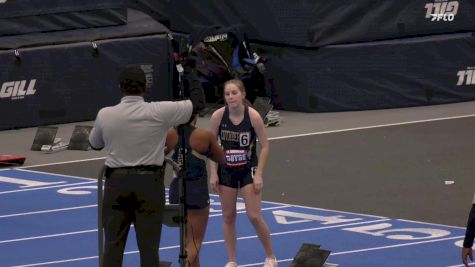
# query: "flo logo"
{"points": [[16, 89], [466, 77], [442, 10]]}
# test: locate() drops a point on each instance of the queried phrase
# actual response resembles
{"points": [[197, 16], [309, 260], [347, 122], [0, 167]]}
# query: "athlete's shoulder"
{"points": [[254, 115], [218, 114], [252, 111]]}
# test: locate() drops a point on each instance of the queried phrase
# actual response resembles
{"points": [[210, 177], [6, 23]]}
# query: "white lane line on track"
{"points": [[95, 205], [54, 174], [372, 249], [462, 265], [434, 224], [45, 187], [243, 211], [46, 211], [358, 214], [372, 127], [397, 246], [85, 231], [47, 236], [60, 163], [204, 243]]}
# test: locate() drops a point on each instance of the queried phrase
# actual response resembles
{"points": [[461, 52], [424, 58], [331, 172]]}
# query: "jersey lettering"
{"points": [[236, 158]]}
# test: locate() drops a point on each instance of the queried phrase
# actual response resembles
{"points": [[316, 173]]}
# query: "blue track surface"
{"points": [[51, 220]]}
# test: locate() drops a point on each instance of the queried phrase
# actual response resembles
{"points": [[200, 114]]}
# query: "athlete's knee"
{"points": [[229, 218], [255, 218]]}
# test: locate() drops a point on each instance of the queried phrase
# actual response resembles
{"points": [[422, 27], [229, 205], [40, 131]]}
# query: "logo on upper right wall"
{"points": [[442, 10], [466, 77]]}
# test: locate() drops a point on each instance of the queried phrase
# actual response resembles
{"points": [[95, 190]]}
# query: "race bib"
{"points": [[236, 158]]}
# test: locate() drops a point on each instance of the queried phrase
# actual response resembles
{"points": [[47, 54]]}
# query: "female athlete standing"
{"points": [[237, 125]]}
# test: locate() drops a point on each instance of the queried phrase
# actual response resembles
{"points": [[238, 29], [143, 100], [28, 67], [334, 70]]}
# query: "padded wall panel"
{"points": [[138, 24], [316, 23], [23, 8], [71, 82], [26, 16], [378, 75]]}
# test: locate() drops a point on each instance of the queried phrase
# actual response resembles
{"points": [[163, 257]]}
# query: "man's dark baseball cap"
{"points": [[132, 74]]}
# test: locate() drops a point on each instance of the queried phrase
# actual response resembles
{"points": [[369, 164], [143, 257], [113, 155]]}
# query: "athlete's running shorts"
{"points": [[197, 194], [235, 177]]}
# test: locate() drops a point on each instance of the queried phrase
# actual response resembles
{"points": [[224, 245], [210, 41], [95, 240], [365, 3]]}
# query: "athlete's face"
{"points": [[233, 95]]}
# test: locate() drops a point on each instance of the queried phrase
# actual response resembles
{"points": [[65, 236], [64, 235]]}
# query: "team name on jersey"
{"points": [[236, 157], [231, 136], [243, 138]]}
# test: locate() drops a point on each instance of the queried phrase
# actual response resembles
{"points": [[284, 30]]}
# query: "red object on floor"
{"points": [[11, 159]]}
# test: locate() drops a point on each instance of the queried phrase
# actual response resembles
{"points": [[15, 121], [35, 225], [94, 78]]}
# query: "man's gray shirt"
{"points": [[133, 132]]}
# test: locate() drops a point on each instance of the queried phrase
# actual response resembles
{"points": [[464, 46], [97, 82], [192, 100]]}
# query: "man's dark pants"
{"points": [[133, 195]]}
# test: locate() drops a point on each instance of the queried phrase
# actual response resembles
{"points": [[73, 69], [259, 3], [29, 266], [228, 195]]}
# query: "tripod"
{"points": [[181, 170]]}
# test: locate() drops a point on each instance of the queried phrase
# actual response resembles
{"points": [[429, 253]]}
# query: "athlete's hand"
{"points": [[467, 252], [213, 181], [258, 183]]}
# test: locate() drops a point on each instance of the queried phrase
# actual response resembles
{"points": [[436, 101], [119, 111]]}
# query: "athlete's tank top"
{"points": [[195, 167], [238, 141]]}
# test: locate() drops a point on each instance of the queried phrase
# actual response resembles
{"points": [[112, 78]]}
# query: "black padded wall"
{"points": [[377, 75], [67, 83], [27, 16], [317, 23]]}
